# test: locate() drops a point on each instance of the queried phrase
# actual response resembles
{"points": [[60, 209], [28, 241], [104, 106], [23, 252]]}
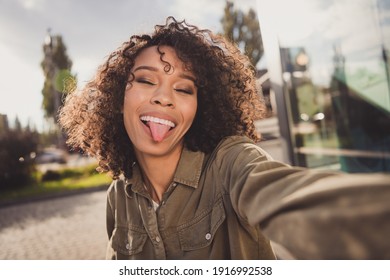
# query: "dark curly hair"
{"points": [[228, 102]]}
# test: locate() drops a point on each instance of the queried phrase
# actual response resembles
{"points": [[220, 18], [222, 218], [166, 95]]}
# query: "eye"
{"points": [[144, 81], [183, 90]]}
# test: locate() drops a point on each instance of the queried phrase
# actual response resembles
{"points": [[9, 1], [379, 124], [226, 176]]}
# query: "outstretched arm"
{"points": [[312, 214]]}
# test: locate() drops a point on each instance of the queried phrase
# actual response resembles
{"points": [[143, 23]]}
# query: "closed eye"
{"points": [[186, 91], [144, 81]]}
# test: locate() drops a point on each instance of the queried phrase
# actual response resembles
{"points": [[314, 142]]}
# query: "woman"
{"points": [[171, 116]]}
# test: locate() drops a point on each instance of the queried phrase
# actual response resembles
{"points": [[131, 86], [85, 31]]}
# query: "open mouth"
{"points": [[159, 128]]}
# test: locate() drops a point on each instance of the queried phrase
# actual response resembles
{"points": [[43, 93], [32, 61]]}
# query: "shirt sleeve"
{"points": [[311, 214]]}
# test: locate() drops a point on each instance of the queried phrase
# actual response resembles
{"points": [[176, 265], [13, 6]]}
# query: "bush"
{"points": [[17, 150], [69, 173], [51, 175]]}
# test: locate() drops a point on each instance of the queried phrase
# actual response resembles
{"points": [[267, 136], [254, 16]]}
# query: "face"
{"points": [[159, 106]]}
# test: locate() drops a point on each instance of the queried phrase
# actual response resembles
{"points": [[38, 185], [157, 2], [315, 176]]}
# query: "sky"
{"points": [[91, 29]]}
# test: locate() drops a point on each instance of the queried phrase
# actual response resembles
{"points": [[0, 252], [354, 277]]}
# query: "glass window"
{"points": [[335, 81]]}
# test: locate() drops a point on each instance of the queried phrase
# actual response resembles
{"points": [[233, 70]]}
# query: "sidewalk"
{"points": [[66, 228], [54, 195]]}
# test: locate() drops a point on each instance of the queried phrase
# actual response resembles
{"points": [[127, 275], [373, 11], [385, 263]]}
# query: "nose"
{"points": [[163, 96]]}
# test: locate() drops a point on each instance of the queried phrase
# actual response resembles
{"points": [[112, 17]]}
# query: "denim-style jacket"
{"points": [[230, 203]]}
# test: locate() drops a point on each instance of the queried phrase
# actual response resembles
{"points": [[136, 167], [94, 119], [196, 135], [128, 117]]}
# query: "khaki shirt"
{"points": [[221, 206]]}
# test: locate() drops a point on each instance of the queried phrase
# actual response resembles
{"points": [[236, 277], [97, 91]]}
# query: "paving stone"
{"points": [[67, 228]]}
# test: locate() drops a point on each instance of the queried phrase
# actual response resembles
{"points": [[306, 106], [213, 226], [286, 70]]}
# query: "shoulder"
{"points": [[235, 154], [240, 146], [118, 183], [117, 187], [238, 156]]}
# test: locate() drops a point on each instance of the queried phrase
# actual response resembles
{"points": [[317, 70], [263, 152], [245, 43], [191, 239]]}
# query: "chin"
{"points": [[160, 149]]}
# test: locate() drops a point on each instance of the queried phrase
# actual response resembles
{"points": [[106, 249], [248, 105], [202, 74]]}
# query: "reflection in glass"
{"points": [[336, 81]]}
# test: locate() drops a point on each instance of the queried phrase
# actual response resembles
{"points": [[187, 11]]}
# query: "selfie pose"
{"points": [[171, 116]]}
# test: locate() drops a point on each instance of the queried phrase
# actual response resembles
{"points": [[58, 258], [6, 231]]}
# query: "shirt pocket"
{"points": [[199, 232], [128, 241]]}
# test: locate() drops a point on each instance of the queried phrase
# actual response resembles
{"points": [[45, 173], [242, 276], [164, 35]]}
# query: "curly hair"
{"points": [[228, 101]]}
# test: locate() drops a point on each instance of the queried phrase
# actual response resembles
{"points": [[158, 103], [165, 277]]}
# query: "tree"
{"points": [[56, 66], [244, 30], [18, 147], [18, 125]]}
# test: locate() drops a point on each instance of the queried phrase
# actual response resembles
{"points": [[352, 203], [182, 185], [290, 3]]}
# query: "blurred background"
{"points": [[322, 67]]}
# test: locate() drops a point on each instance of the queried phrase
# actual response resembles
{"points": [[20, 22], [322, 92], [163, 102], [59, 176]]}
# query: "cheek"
{"points": [[129, 95], [190, 111], [129, 107], [126, 106], [131, 99]]}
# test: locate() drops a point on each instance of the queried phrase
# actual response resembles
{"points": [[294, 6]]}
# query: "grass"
{"points": [[67, 180]]}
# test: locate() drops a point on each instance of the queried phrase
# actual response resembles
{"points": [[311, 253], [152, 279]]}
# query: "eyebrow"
{"points": [[154, 69], [144, 67]]}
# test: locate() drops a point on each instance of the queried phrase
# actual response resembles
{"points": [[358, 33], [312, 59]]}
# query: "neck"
{"points": [[158, 172]]}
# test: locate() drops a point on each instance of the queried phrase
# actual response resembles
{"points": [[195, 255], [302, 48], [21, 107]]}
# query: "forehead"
{"points": [[159, 57], [152, 55]]}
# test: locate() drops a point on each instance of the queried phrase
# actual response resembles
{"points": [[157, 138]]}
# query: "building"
{"points": [[3, 123], [328, 66]]}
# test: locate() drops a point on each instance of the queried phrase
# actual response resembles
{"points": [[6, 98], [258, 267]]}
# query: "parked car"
{"points": [[51, 156]]}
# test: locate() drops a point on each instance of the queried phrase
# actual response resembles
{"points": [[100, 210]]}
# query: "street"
{"points": [[66, 228]]}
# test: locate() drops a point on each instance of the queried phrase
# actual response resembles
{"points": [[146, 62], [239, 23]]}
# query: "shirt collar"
{"points": [[189, 168], [188, 172]]}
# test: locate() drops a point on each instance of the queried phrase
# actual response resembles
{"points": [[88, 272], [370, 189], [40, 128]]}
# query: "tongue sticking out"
{"points": [[158, 130]]}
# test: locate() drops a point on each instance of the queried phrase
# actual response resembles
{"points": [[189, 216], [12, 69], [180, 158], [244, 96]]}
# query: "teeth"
{"points": [[157, 120]]}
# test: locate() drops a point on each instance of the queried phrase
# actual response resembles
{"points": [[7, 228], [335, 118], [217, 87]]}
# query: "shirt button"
{"points": [[208, 236], [174, 184], [158, 239], [128, 246]]}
